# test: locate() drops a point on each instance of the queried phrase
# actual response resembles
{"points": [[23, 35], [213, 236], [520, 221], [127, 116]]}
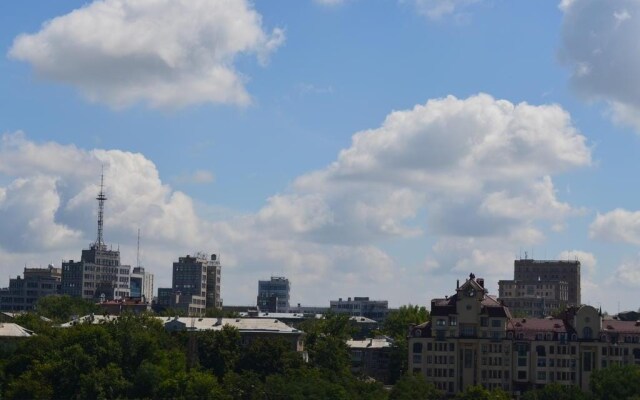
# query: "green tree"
{"points": [[616, 382], [243, 386], [414, 387], [396, 325], [326, 343], [61, 308], [480, 393], [267, 356], [555, 391], [219, 351]]}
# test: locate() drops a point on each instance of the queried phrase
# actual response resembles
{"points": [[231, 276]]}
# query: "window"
{"points": [[453, 321], [496, 323], [468, 358], [441, 322], [417, 347], [586, 362]]}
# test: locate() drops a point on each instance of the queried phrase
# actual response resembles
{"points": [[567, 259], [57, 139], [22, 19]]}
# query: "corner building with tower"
{"points": [[473, 339]]}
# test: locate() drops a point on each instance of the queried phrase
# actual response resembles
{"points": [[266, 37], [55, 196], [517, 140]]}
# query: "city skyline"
{"points": [[375, 149]]}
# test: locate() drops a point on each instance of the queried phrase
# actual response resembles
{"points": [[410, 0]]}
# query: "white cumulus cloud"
{"points": [[167, 53], [453, 172], [437, 9], [619, 225], [599, 44]]}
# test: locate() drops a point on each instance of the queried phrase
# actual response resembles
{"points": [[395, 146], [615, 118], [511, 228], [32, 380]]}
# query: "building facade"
{"points": [[23, 293], [370, 357], [472, 339], [141, 284], [195, 285], [377, 310], [540, 287], [538, 298], [273, 295], [97, 276]]}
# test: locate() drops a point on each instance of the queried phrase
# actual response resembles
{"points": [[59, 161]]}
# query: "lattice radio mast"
{"points": [[101, 199]]}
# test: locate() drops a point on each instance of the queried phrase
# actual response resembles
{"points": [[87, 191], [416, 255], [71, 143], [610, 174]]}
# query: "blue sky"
{"points": [[361, 148]]}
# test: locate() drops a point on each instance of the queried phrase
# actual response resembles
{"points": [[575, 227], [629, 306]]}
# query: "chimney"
{"points": [[480, 282], [457, 284]]}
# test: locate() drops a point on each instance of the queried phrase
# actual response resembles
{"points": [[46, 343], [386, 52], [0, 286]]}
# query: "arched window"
{"points": [[587, 332], [417, 347]]}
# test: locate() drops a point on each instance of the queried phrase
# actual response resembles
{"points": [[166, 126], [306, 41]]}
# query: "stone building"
{"points": [[541, 287], [23, 293], [472, 339]]}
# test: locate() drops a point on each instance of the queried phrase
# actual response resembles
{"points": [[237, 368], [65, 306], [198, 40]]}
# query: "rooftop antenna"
{"points": [[101, 199], [138, 253]]}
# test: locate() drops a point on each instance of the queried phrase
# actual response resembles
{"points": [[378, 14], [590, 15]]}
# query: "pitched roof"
{"points": [[11, 330]]}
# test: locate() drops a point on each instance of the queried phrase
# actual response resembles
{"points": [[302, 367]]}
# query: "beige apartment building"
{"points": [[541, 287], [472, 339]]}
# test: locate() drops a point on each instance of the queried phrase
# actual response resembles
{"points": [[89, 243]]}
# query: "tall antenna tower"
{"points": [[101, 199], [138, 253]]}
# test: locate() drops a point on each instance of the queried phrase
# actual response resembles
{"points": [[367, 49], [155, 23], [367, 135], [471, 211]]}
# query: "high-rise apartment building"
{"points": [[195, 285], [23, 293], [472, 339], [540, 287], [98, 275], [273, 295]]}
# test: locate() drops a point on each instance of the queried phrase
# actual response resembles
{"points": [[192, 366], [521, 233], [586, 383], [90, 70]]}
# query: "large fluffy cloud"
{"points": [[618, 225], [599, 44], [165, 52], [482, 165], [470, 179]]}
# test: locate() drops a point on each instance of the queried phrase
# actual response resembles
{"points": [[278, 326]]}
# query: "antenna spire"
{"points": [[138, 252], [101, 199]]}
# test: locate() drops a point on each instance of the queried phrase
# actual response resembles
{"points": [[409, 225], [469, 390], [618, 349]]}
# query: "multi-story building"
{"points": [[533, 298], [273, 295], [472, 339], [141, 284], [98, 275], [370, 357], [195, 285], [540, 287], [23, 293], [214, 270], [377, 310]]}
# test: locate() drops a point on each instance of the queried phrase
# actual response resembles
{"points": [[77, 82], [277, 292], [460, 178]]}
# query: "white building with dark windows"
{"points": [[273, 295], [376, 310], [141, 284]]}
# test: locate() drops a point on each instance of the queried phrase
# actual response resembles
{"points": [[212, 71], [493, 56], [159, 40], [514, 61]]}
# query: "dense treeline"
{"points": [[134, 357]]}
